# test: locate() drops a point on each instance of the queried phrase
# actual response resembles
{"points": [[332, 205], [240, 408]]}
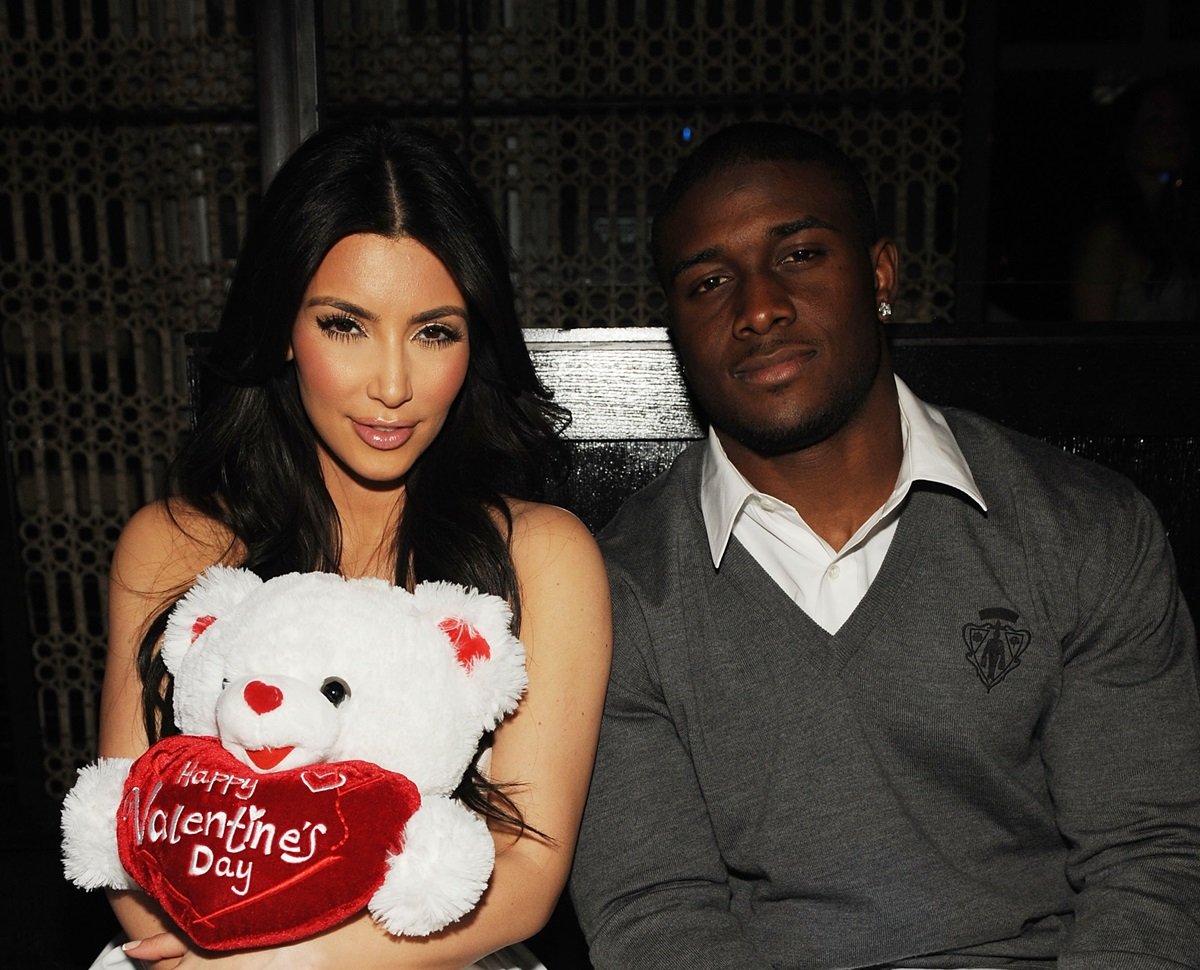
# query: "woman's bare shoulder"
{"points": [[559, 568], [166, 544], [538, 525], [160, 552]]}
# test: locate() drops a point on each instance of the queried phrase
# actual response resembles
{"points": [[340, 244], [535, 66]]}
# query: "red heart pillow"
{"points": [[241, 859]]}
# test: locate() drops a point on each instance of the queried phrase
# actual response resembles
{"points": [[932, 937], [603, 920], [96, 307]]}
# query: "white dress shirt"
{"points": [[825, 583]]}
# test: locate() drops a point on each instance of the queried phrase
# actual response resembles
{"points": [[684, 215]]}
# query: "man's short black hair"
{"points": [[764, 141]]}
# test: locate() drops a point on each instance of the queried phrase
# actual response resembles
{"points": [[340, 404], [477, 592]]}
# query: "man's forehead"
{"points": [[773, 198], [769, 174]]}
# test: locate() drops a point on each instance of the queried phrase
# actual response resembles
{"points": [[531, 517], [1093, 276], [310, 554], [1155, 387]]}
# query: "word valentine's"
{"points": [[226, 841]]}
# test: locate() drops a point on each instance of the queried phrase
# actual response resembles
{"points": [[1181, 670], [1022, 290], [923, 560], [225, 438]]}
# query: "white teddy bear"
{"points": [[325, 723]]}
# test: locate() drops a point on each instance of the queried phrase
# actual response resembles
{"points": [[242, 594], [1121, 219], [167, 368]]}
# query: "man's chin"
{"points": [[789, 442], [772, 439]]}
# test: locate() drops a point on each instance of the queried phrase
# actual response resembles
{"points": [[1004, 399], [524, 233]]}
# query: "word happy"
{"points": [[224, 843]]}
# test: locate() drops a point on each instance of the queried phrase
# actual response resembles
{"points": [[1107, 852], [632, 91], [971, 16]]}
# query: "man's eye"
{"points": [[709, 283], [800, 255]]}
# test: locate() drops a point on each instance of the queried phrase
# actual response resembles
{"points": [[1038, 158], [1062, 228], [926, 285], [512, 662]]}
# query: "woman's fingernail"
{"points": [[116, 957]]}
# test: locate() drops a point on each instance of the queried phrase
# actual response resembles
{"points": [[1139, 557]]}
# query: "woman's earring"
{"points": [[884, 309]]}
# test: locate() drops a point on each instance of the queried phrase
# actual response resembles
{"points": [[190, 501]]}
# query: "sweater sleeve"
{"points": [[648, 883], [1122, 754]]}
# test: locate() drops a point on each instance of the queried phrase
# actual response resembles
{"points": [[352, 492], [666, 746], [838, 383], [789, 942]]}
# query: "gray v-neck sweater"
{"points": [[995, 761]]}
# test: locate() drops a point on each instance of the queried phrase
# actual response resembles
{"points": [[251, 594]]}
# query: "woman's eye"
{"points": [[339, 326], [335, 690], [439, 333]]}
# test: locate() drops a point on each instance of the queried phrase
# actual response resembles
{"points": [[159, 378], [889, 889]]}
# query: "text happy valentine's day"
{"points": [[235, 836]]}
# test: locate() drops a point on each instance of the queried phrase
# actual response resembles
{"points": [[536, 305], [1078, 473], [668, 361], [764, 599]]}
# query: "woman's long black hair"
{"points": [[1162, 232], [251, 463]]}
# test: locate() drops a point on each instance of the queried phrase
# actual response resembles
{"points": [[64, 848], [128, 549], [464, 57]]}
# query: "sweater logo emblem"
{"points": [[994, 644]]}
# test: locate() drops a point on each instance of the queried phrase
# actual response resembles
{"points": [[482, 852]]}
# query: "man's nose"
{"points": [[764, 303]]}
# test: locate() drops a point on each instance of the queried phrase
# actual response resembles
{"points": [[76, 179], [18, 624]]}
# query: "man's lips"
{"points": [[382, 435], [774, 365]]}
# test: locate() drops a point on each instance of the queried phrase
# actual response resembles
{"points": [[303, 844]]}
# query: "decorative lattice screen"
{"points": [[129, 165], [574, 114]]}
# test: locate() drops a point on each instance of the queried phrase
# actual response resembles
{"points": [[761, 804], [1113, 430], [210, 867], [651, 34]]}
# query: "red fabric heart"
{"points": [[241, 859]]}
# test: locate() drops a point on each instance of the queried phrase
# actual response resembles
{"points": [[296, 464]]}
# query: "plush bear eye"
{"points": [[335, 690]]}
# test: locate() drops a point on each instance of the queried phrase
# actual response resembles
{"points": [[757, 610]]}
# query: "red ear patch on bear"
{"points": [[202, 623], [468, 644]]}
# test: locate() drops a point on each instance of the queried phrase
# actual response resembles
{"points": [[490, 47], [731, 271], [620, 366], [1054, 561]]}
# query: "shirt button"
{"points": [[833, 570]]}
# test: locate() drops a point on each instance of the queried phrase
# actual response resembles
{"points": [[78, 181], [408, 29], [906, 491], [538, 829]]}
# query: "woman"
{"points": [[372, 410], [1139, 258]]}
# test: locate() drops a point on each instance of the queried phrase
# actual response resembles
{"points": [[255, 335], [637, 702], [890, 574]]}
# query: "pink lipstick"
{"points": [[382, 436]]}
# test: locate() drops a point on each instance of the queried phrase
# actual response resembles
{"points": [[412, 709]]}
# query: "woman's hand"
{"points": [[161, 946], [167, 951]]}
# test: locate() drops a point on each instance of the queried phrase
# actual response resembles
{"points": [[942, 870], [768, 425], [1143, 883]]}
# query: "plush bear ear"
{"points": [[469, 644], [477, 627], [216, 592]]}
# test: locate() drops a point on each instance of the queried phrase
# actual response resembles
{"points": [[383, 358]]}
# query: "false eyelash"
{"points": [[446, 335], [327, 326]]}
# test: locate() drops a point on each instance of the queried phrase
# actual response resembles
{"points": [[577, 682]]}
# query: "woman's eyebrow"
{"points": [[437, 312], [344, 305]]}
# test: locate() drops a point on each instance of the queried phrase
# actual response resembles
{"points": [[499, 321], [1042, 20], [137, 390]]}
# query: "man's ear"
{"points": [[885, 262]]}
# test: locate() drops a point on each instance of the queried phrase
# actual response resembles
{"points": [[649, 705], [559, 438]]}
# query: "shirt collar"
{"points": [[930, 454]]}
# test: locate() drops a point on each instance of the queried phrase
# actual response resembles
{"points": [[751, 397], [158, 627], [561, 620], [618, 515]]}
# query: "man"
{"points": [[891, 687]]}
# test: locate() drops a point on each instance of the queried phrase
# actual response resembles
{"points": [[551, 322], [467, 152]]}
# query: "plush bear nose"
{"points": [[262, 697]]}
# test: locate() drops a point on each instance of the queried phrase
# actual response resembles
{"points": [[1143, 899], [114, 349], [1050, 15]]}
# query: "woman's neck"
{"points": [[368, 520]]}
